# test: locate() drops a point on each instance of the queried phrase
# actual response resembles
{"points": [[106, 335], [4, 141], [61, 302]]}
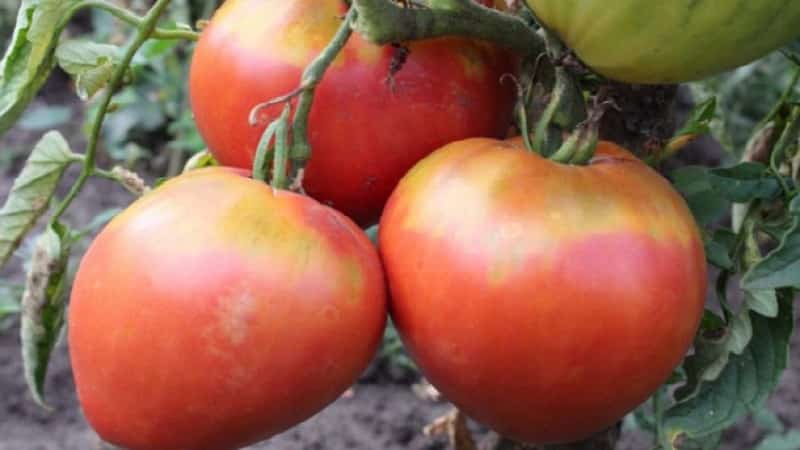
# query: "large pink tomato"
{"points": [[216, 312], [544, 300], [377, 111]]}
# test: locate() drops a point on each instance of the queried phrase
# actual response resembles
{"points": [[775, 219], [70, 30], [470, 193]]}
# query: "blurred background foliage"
{"points": [[745, 96], [153, 122], [152, 126]]}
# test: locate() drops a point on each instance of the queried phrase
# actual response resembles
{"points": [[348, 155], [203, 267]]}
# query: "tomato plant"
{"points": [[378, 110], [639, 41], [215, 312], [549, 285], [571, 293]]}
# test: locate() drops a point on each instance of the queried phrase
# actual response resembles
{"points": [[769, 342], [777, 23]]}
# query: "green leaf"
{"points": [[156, 48], [699, 119], [710, 356], [767, 420], [89, 82], [762, 301], [32, 191], [788, 441], [77, 56], [744, 182], [91, 64], [719, 248], [693, 182], [743, 386], [781, 267], [199, 161], [29, 58], [740, 331], [709, 442], [708, 191], [43, 306]]}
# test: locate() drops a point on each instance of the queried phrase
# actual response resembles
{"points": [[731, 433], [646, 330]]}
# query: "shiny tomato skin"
{"points": [[216, 312], [367, 128], [544, 300], [669, 41]]}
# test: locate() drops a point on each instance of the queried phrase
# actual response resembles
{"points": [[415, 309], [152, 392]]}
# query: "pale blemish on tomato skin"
{"points": [[235, 316]]}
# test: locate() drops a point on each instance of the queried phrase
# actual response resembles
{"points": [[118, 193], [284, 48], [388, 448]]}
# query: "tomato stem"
{"points": [[137, 21], [522, 112], [565, 108], [279, 180], [312, 76], [384, 22], [265, 152], [580, 147], [146, 28]]}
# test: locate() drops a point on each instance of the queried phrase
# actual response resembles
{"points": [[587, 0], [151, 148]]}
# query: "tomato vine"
{"points": [[758, 248]]}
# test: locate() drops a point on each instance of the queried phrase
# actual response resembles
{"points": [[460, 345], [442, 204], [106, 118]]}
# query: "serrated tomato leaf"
{"points": [[744, 182], [709, 191], [32, 190], [43, 305], [781, 267], [742, 386], [29, 57], [762, 301]]}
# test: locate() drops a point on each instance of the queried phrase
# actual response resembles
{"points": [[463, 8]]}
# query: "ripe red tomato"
{"points": [[367, 126], [216, 312], [544, 300]]}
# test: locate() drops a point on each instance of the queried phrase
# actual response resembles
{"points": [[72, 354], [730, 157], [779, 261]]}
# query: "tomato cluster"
{"points": [[544, 300]]}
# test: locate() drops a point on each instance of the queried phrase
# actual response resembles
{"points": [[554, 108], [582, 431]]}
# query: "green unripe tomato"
{"points": [[669, 41]]}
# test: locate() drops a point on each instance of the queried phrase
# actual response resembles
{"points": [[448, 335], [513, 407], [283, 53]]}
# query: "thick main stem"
{"points": [[384, 22], [144, 32]]}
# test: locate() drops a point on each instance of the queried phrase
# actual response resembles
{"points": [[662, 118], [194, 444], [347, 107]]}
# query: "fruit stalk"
{"points": [[312, 76], [384, 22]]}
